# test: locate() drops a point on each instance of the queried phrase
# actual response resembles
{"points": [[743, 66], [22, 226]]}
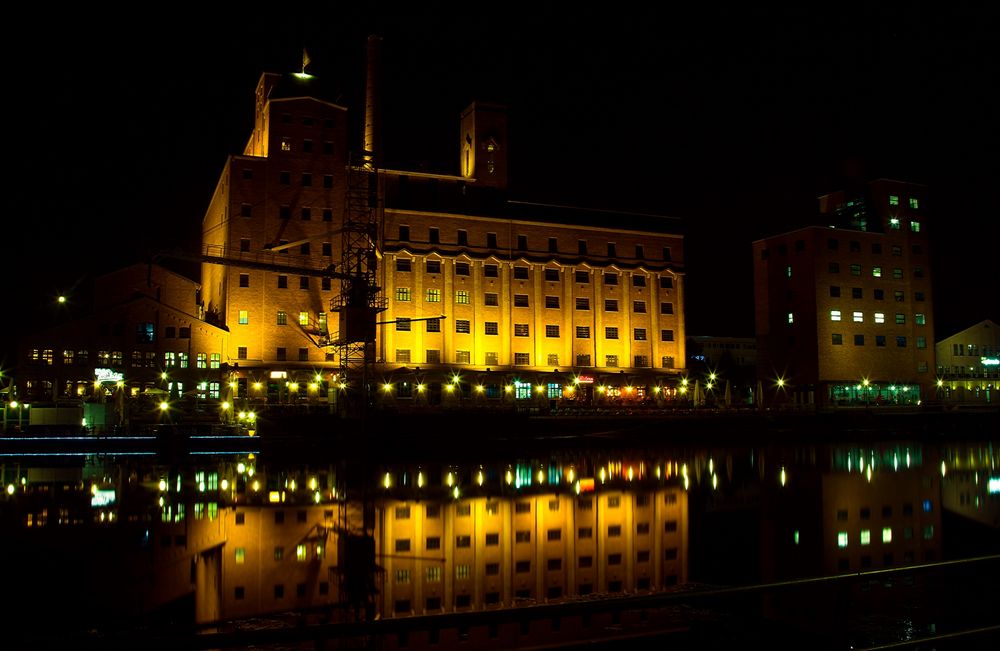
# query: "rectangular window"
{"points": [[919, 319], [552, 302], [899, 296], [835, 315], [834, 267], [521, 330], [666, 308], [610, 332], [490, 328], [610, 305], [581, 277], [433, 266], [551, 330], [463, 357], [639, 252], [553, 245], [639, 334], [857, 292], [303, 282], [900, 318], [611, 250], [461, 268], [610, 279], [666, 335], [491, 240], [859, 340], [552, 275], [402, 324], [462, 236], [303, 318], [897, 273], [900, 342], [858, 317], [921, 342], [611, 361], [491, 271], [433, 325], [581, 247], [202, 360], [838, 339], [244, 317], [402, 355], [520, 300], [583, 332], [520, 273], [433, 296], [583, 360], [639, 307], [403, 264], [462, 326], [462, 297], [638, 281], [434, 235], [880, 341], [244, 280], [403, 294], [855, 270], [583, 303], [522, 359]]}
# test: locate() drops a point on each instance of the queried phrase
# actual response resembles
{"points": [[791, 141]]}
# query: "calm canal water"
{"points": [[875, 538]]}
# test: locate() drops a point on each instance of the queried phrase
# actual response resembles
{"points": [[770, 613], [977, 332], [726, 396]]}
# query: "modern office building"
{"points": [[844, 311], [968, 364]]}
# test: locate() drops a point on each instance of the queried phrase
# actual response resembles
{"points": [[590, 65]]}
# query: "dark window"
{"points": [[307, 178], [491, 240], [552, 274], [327, 181], [434, 236], [553, 245], [404, 233], [522, 242], [638, 281], [491, 271], [581, 247], [463, 237], [581, 277], [521, 273], [834, 291], [433, 266]]}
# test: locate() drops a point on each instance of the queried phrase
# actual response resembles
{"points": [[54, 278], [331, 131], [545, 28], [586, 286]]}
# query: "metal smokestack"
{"points": [[373, 99]]}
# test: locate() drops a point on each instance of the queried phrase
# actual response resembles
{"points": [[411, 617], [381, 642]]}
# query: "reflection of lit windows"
{"points": [[929, 532], [887, 534], [241, 555], [842, 539], [433, 574], [300, 552], [866, 536], [927, 506], [461, 571]]}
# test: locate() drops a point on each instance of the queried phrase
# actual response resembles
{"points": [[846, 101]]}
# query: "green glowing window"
{"points": [[877, 272], [894, 224], [893, 200], [919, 319], [842, 539], [866, 536], [403, 294], [886, 534], [241, 555], [915, 226], [914, 203]]}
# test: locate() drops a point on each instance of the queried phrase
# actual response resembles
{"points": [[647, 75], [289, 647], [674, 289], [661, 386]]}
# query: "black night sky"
{"points": [[733, 120]]}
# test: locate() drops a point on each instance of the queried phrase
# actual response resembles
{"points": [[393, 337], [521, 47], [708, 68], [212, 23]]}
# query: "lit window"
{"points": [[919, 319], [462, 326], [303, 318], [887, 534], [403, 294], [462, 297], [202, 360], [893, 200], [791, 318], [300, 552], [433, 296], [282, 318], [521, 330], [244, 317], [835, 315], [880, 317], [914, 203], [859, 317], [877, 272], [215, 360], [866, 536], [915, 226], [900, 318], [894, 223], [842, 539], [241, 555]]}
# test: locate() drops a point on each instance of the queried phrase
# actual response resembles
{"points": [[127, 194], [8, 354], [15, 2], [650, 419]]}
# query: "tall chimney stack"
{"points": [[373, 99]]}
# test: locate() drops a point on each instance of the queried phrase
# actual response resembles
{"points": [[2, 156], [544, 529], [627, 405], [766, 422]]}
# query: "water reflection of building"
{"points": [[494, 552], [968, 364], [971, 483]]}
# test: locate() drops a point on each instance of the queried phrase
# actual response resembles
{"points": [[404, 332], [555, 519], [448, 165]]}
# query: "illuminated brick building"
{"points": [[472, 280], [844, 312]]}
